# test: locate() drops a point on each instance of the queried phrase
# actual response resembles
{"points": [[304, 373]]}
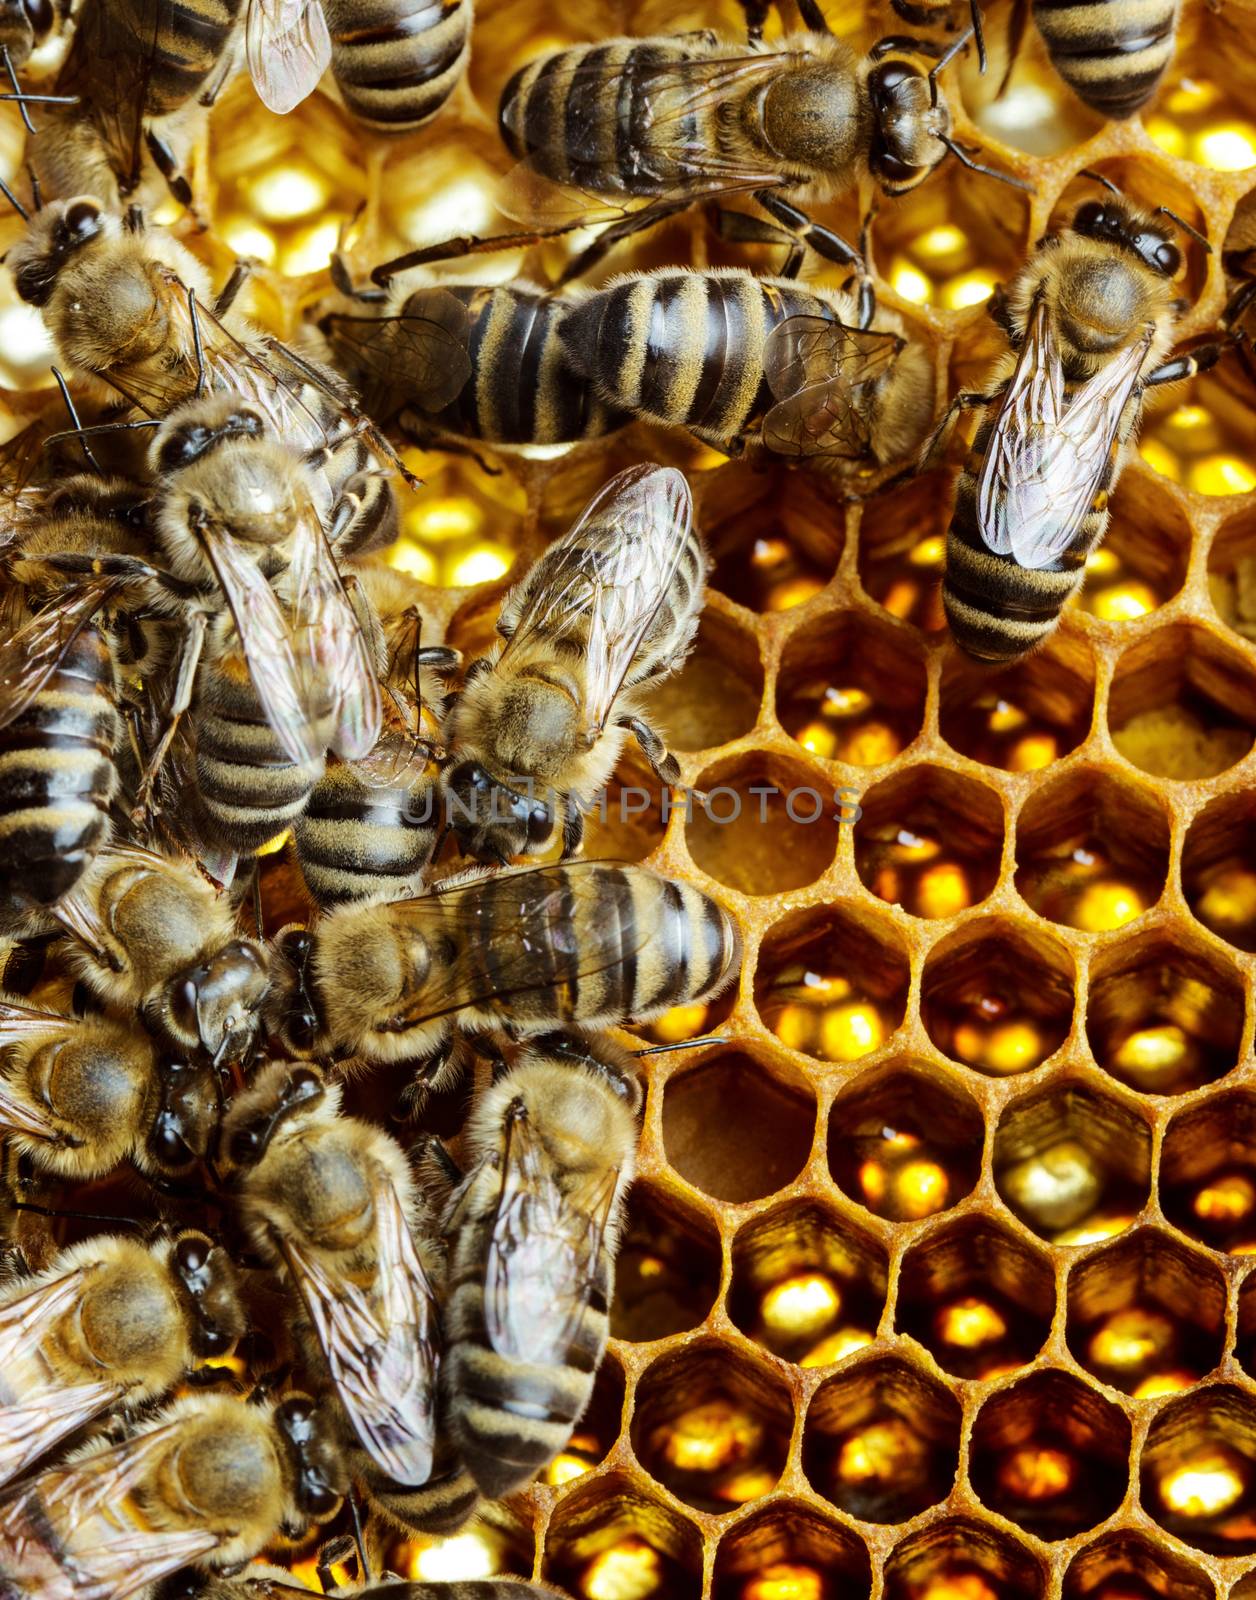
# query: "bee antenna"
{"points": [[979, 37], [11, 75], [77, 425], [947, 56], [196, 345], [99, 427], [1163, 211], [681, 1044], [1098, 177], [14, 201], [965, 160]]}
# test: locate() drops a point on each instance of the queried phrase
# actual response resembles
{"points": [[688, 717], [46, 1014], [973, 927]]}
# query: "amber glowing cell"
{"points": [[970, 1322], [629, 1570], [802, 1307], [1037, 1472], [836, 1347], [785, 1580], [882, 1454], [1205, 1486], [829, 1015], [844, 723], [1133, 1338], [710, 1437], [899, 1178], [959, 1586]]}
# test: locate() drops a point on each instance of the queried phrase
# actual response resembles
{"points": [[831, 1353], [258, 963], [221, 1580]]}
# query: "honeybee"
{"points": [[634, 130], [592, 943], [78, 1096], [731, 357], [396, 62], [210, 1481], [1089, 321], [110, 1322], [532, 1231], [154, 938], [609, 609]]}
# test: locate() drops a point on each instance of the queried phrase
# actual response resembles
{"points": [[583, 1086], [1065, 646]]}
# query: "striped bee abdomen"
{"points": [[397, 61], [439, 1506], [1111, 53], [57, 778], [190, 40]]}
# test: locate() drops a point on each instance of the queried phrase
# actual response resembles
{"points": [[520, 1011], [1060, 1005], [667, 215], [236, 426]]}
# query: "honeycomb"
{"points": [[934, 1284]]}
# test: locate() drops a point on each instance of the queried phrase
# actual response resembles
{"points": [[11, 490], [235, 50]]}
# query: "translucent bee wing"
{"points": [[543, 1254], [382, 1344], [25, 1319], [17, 1117], [816, 369], [30, 1428], [288, 48], [29, 657], [422, 350], [113, 50], [24, 1022], [604, 580]]}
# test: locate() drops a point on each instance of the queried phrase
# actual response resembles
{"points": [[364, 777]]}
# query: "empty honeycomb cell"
{"points": [[957, 1559], [902, 542], [1092, 849], [712, 1426], [1164, 1014], [667, 1273], [1050, 1455], [1197, 1473], [929, 840], [881, 1441], [1208, 1172], [462, 529], [832, 982], [596, 1431], [807, 1285], [1074, 1165], [1141, 563], [610, 1539], [735, 1131], [715, 697], [1245, 1588], [1126, 1566], [997, 997], [1146, 1315], [1022, 717], [1202, 111], [1232, 573], [787, 1552], [1203, 440], [766, 824], [1181, 704], [774, 536], [1219, 868], [629, 818], [852, 688], [905, 1142], [976, 1297]]}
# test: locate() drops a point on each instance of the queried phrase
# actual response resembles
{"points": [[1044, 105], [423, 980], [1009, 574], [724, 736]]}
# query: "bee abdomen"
{"points": [[1111, 53], [440, 1506], [249, 787], [397, 61], [190, 42], [57, 779], [353, 840]]}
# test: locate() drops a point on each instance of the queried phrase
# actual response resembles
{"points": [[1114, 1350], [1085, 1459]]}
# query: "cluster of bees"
{"points": [[203, 650]]}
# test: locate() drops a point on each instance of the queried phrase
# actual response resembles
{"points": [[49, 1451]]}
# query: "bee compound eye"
{"points": [[891, 76], [295, 946], [1090, 218], [82, 219], [1166, 257], [192, 1259], [302, 1030], [184, 999], [40, 15]]}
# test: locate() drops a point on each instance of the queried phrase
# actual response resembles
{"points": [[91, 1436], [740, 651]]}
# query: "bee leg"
{"points": [[756, 16], [573, 832], [240, 275], [1178, 368], [657, 211], [966, 400], [181, 700], [738, 228], [167, 163], [812, 18], [433, 1151], [662, 762], [421, 433], [825, 243]]}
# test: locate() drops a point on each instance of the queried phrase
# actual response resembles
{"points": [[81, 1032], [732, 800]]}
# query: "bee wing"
{"points": [[29, 657], [607, 577], [1046, 455], [543, 1253], [815, 369], [288, 47], [331, 650], [20, 1022], [672, 102], [24, 1320], [30, 1428], [425, 347], [382, 1349], [110, 61]]}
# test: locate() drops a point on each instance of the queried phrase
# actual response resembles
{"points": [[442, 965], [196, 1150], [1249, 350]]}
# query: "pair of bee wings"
{"points": [[17, 1116], [1048, 452], [32, 1423], [67, 1534], [544, 1251], [816, 369], [382, 1344], [424, 348]]}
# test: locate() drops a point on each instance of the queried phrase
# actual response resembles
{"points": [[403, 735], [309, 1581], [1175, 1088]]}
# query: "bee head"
{"points": [[56, 235], [314, 1457], [187, 1106], [23, 23], [910, 124], [215, 1005], [493, 821], [207, 1288], [1111, 221]]}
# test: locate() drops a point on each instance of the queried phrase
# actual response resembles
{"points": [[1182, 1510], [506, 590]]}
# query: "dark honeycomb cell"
{"points": [[807, 1285], [959, 1559], [1198, 1470], [1181, 704], [774, 536], [1219, 868], [1126, 1566], [1023, 717], [1141, 563], [1232, 572], [1050, 1455], [881, 1441], [630, 816], [904, 1142], [1208, 1172], [612, 1536], [929, 840], [735, 1131], [902, 539], [787, 1551], [667, 1273], [766, 824], [596, 1431]]}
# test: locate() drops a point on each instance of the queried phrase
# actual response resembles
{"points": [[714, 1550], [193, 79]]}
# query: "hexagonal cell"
{"points": [[961, 1560], [715, 696], [775, 538], [1073, 1165], [807, 1285], [832, 982], [596, 1431], [1197, 1476], [1202, 441], [461, 530], [485, 1548], [1022, 717], [1219, 868], [929, 840], [630, 817], [787, 1552], [1201, 111], [852, 688], [906, 1143], [1092, 850], [610, 1538], [881, 1441], [1125, 1566], [1147, 1315], [712, 1426], [1050, 1455], [1165, 1014], [902, 542], [1180, 704], [667, 1273], [997, 997], [1141, 563], [976, 1297], [1232, 573], [734, 1131], [1208, 1172], [767, 824]]}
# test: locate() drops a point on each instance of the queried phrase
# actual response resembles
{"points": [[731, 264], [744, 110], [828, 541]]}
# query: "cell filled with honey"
{"points": [[929, 840]]}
